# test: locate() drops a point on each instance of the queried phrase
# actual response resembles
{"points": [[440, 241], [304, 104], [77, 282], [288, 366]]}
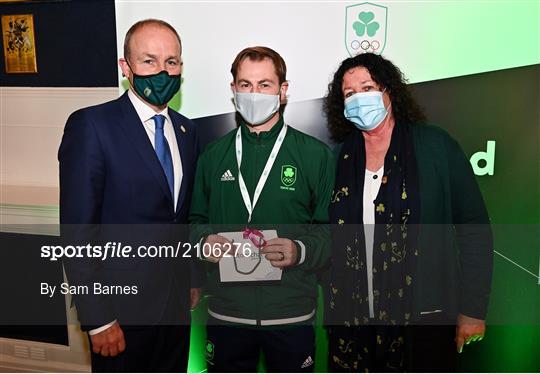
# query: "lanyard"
{"points": [[264, 176]]}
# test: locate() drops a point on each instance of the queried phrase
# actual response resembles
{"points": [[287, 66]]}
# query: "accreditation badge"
{"points": [[244, 263]]}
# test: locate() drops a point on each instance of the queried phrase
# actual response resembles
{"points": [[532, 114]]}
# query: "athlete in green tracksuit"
{"points": [[293, 200]]}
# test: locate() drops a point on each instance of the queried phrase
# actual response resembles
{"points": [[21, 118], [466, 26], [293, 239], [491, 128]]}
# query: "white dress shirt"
{"points": [[372, 184], [145, 114]]}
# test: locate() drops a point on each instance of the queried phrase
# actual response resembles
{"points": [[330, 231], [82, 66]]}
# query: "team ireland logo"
{"points": [[209, 350], [365, 28], [288, 175]]}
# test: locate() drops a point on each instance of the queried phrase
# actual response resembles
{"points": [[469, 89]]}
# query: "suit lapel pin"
{"points": [[183, 128]]}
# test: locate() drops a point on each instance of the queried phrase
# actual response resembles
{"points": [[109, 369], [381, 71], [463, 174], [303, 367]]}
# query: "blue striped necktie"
{"points": [[163, 151]]}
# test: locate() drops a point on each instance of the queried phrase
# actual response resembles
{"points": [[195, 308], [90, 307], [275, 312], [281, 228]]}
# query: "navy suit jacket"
{"points": [[110, 177]]}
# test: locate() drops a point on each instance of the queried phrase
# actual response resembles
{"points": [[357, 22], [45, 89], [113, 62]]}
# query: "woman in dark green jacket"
{"points": [[412, 245]]}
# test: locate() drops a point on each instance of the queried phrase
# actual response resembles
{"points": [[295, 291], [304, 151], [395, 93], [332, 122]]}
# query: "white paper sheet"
{"points": [[247, 269]]}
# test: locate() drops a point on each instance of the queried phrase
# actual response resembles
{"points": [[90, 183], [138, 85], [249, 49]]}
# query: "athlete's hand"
{"points": [[468, 330], [281, 252], [109, 342], [216, 246]]}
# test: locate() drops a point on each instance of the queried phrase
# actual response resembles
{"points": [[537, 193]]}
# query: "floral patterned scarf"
{"points": [[397, 210]]}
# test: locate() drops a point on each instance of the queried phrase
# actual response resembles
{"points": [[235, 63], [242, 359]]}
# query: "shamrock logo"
{"points": [[288, 175], [366, 23], [209, 350]]}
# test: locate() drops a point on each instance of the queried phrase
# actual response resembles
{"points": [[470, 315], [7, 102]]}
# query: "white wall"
{"points": [[32, 120]]}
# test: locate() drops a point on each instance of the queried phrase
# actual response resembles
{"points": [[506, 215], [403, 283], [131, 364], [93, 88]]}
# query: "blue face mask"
{"points": [[365, 109]]}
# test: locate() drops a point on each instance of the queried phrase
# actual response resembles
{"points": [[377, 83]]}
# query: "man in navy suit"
{"points": [[131, 161]]}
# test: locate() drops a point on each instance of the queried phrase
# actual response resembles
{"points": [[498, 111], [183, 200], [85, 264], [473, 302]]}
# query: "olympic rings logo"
{"points": [[365, 45]]}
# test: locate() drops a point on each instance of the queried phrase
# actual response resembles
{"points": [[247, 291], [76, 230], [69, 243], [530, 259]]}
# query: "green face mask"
{"points": [[157, 89]]}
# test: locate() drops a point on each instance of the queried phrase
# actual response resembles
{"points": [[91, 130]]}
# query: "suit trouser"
{"points": [[148, 349], [237, 348], [160, 348]]}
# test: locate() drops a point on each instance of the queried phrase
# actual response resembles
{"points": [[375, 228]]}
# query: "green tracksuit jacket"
{"points": [[297, 210]]}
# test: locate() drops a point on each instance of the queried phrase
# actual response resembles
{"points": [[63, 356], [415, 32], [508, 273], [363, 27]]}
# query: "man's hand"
{"points": [[281, 252], [195, 297], [468, 330], [216, 245], [109, 342]]}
